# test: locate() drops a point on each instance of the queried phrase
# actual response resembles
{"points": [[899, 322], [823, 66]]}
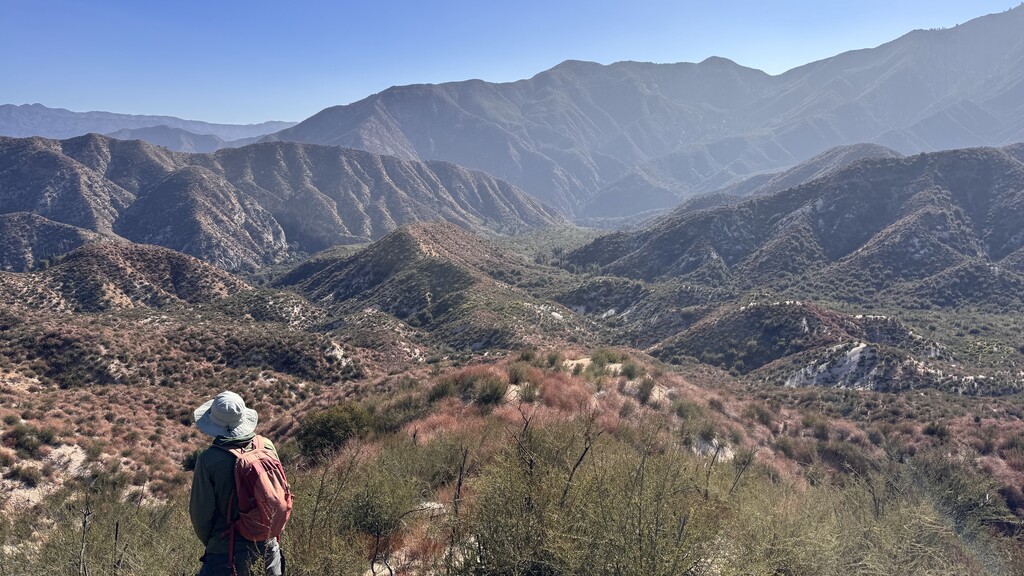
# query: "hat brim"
{"points": [[206, 425]]}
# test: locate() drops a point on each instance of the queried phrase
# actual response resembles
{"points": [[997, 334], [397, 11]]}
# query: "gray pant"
{"points": [[249, 559]]}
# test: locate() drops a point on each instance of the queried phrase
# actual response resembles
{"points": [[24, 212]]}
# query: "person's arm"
{"points": [[202, 506]]}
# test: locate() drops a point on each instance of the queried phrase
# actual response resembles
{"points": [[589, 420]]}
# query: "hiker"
{"points": [[237, 457]]}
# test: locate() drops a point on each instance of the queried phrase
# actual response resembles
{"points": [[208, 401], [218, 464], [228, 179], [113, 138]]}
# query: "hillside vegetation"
{"points": [[521, 467]]}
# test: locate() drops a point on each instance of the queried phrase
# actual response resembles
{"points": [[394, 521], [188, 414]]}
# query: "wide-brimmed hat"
{"points": [[226, 415]]}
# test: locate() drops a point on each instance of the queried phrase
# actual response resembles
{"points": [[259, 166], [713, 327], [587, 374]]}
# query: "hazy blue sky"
{"points": [[247, 61]]}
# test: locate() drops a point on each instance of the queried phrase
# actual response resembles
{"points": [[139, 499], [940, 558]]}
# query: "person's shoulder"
{"points": [[268, 445], [213, 454]]}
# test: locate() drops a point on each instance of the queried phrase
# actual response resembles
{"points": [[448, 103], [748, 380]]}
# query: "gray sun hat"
{"points": [[226, 415]]}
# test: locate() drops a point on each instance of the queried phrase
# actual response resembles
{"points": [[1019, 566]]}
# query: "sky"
{"points": [[235, 61]]}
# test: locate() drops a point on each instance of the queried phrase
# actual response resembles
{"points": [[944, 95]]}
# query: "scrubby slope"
{"points": [[443, 279], [118, 275], [30, 240], [879, 225]]}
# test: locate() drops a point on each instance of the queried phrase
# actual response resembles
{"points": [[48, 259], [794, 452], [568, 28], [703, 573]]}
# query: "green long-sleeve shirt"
{"points": [[213, 487]]}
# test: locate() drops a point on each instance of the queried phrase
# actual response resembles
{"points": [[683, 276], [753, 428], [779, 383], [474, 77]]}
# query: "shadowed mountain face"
{"points": [[612, 141], [897, 225], [247, 207], [821, 165], [29, 239], [38, 120]]}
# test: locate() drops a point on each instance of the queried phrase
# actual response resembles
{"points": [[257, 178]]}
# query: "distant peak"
{"points": [[572, 62], [717, 61], [576, 65]]}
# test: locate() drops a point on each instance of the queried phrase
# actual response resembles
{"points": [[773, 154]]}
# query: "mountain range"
{"points": [[239, 208], [806, 201], [606, 141], [610, 144], [37, 120], [766, 285]]}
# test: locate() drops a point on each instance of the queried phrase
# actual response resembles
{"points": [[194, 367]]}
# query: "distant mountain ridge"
{"points": [[37, 120], [177, 139], [827, 162], [586, 137], [248, 207], [912, 227], [819, 166]]}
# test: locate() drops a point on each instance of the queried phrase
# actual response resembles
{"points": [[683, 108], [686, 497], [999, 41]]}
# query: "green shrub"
{"points": [[632, 370], [288, 452], [26, 440], [430, 464], [599, 361], [323, 433], [785, 445], [28, 475], [644, 389], [491, 391], [518, 373], [937, 429], [1015, 442], [821, 431], [875, 436], [188, 463], [529, 393], [707, 431], [440, 390], [845, 457], [379, 506], [605, 356], [760, 414], [736, 436], [688, 410], [390, 417]]}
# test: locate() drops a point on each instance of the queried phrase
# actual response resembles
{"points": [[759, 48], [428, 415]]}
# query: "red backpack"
{"points": [[264, 499]]}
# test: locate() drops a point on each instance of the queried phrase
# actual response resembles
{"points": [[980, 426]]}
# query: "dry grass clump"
{"points": [[565, 392]]}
